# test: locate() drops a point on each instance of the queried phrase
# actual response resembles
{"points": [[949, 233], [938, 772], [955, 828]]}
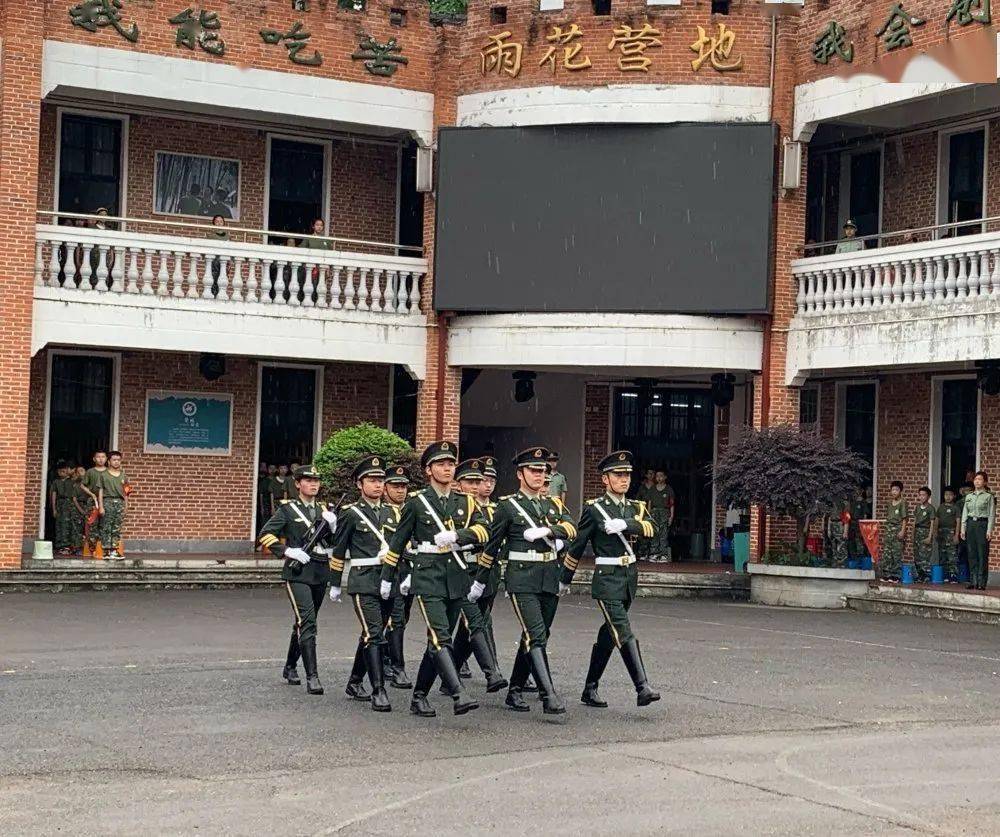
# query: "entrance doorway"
{"points": [[297, 179], [962, 180], [955, 443], [81, 414], [90, 163], [864, 192], [673, 429]]}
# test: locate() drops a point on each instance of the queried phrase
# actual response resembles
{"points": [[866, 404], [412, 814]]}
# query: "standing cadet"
{"points": [[661, 502], [361, 539], [473, 634], [61, 500], [93, 480], [610, 523], [397, 613], [441, 522], [84, 502], [924, 532], [112, 499], [280, 488], [895, 533], [858, 511], [305, 575], [978, 513], [529, 527], [948, 516]]}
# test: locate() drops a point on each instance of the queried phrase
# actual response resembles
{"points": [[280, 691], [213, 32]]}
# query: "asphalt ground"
{"points": [[164, 713]]}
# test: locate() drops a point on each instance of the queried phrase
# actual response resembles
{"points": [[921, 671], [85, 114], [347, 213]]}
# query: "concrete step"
{"points": [[680, 585], [955, 606]]}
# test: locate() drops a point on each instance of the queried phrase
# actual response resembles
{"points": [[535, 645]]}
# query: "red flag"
{"points": [[870, 532]]}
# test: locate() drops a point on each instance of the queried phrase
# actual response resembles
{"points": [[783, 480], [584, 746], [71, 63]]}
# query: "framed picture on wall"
{"points": [[190, 423], [196, 186]]}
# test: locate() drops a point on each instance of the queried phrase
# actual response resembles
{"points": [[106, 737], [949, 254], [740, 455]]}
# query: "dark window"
{"points": [[411, 204], [720, 7], [295, 186], [602, 7], [865, 195], [90, 156], [859, 422], [809, 409], [287, 415], [959, 427], [397, 17], [404, 405], [965, 180], [498, 14]]}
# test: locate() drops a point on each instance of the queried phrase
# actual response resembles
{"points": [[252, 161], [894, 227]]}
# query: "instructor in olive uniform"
{"points": [[361, 538], [531, 529], [305, 574], [611, 524], [440, 521]]}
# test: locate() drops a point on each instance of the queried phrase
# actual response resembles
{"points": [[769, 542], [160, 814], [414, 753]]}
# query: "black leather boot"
{"points": [[449, 676], [308, 649], [380, 700], [398, 678], [495, 681], [637, 671], [551, 702], [518, 674], [464, 671], [290, 672], [419, 705], [355, 684], [599, 656]]}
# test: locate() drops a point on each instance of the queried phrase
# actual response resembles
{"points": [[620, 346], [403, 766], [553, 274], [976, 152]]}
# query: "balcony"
{"points": [[932, 300], [180, 287]]}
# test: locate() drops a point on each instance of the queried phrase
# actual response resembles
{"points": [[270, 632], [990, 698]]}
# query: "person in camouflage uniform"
{"points": [[924, 532], [61, 501], [948, 516], [895, 534], [856, 547], [112, 502], [838, 536], [84, 501]]}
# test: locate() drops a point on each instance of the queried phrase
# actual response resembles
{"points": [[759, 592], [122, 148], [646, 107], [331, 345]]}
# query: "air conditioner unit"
{"points": [[425, 169], [791, 169]]}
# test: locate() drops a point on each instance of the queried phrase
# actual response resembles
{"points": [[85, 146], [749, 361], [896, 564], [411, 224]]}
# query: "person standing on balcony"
{"points": [[895, 533], [978, 514], [316, 240], [849, 244]]}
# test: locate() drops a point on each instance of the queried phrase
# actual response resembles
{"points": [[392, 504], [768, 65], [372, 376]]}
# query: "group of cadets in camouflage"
{"points": [[444, 549], [88, 507]]}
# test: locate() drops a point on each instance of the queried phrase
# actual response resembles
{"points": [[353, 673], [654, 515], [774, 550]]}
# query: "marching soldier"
{"points": [[529, 527], [610, 523], [440, 521], [360, 538], [305, 575], [474, 624], [397, 612]]}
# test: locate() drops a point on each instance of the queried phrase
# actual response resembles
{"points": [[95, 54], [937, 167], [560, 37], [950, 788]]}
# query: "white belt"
{"points": [[427, 548], [531, 556], [620, 561], [365, 562]]}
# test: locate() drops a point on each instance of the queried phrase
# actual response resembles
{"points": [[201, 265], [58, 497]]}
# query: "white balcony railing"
{"points": [[93, 262], [942, 272]]}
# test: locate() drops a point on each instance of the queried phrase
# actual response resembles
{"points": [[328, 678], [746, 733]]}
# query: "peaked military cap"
{"points": [[436, 451], [397, 474], [304, 472], [471, 469], [489, 466], [619, 460], [553, 456], [370, 466], [533, 457]]}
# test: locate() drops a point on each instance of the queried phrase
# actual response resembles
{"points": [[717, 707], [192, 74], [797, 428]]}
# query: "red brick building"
{"points": [[274, 117]]}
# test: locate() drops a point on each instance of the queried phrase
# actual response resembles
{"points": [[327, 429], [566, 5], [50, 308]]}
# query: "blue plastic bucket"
{"points": [[937, 574], [907, 576], [867, 563], [853, 564]]}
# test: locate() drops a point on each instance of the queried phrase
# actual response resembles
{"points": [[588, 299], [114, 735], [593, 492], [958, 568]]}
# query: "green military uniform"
{"points": [[660, 504], [532, 579], [94, 481], [948, 516], [892, 554], [63, 489], [305, 584], [923, 545], [837, 539], [439, 575], [611, 524], [280, 489], [978, 515], [858, 510], [361, 539], [83, 504], [113, 486]]}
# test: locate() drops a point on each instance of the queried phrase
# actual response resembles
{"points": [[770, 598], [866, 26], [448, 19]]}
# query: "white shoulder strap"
{"points": [[628, 547], [373, 529], [298, 512], [441, 526], [531, 523]]}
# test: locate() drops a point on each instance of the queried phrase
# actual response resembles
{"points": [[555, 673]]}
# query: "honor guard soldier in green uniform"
{"points": [[305, 575], [440, 521], [397, 610], [529, 527], [361, 539], [948, 515], [610, 523], [473, 634]]}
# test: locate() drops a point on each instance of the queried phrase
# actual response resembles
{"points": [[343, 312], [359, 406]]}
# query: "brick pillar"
{"points": [[20, 86], [439, 394], [782, 403]]}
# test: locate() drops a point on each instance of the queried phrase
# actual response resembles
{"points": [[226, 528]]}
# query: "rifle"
{"points": [[319, 530]]}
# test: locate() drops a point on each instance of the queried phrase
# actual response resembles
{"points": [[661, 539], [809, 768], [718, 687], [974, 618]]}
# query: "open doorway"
{"points": [[90, 162], [297, 193]]}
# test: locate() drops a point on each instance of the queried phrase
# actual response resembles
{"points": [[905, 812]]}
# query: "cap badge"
{"points": [[375, 461], [538, 452], [621, 456]]}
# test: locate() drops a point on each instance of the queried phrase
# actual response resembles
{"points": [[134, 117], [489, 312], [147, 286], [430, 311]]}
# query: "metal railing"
{"points": [[953, 229]]}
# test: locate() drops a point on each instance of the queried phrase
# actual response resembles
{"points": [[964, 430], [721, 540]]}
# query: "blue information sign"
{"points": [[189, 423]]}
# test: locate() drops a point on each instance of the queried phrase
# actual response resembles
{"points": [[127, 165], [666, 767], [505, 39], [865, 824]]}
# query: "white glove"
{"points": [[559, 545], [382, 553], [330, 517], [446, 538], [334, 594], [476, 591], [404, 586], [613, 527], [385, 589], [563, 589], [295, 554], [533, 533]]}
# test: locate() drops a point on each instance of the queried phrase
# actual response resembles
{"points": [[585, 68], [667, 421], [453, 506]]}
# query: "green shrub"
{"points": [[344, 449], [449, 10]]}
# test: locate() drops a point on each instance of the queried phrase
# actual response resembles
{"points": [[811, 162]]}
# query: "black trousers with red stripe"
{"points": [[306, 600]]}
